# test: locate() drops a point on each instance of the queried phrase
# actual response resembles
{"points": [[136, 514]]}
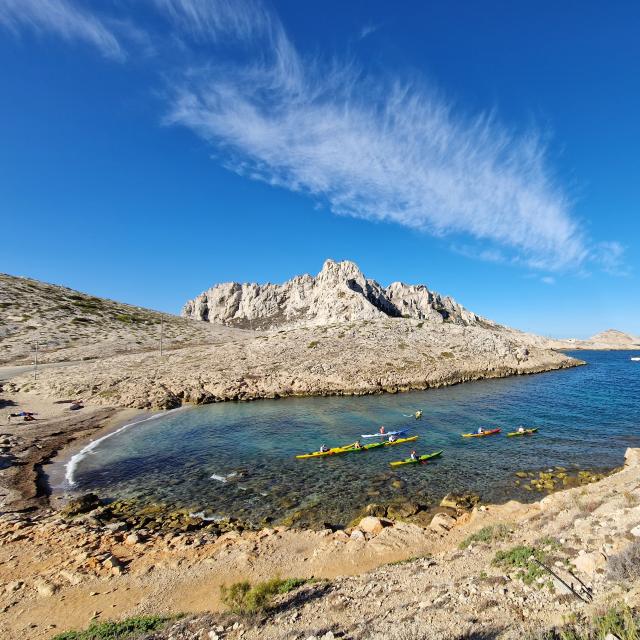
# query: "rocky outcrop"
{"points": [[339, 293]]}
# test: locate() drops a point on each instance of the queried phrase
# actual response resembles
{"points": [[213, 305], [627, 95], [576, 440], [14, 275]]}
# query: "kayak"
{"points": [[349, 448], [421, 459], [526, 432], [385, 435], [481, 435]]}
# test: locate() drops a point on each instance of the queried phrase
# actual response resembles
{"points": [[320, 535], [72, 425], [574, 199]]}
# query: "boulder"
{"points": [[376, 510], [460, 500], [371, 525], [82, 504], [442, 522], [589, 563], [402, 510], [357, 535]]}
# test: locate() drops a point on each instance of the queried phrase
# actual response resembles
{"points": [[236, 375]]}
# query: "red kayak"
{"points": [[490, 432]]}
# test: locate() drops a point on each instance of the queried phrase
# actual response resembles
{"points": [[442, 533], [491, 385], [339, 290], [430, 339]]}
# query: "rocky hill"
{"points": [[70, 325], [339, 293], [611, 339], [330, 339]]}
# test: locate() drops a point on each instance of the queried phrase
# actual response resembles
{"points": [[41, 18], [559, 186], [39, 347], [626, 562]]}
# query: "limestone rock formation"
{"points": [[339, 293]]}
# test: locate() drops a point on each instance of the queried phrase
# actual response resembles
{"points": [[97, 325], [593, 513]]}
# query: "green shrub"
{"points": [[242, 598], [486, 534], [313, 344], [520, 557], [111, 630]]}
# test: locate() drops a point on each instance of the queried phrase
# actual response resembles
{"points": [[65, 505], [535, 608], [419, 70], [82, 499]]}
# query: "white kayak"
{"points": [[386, 434]]}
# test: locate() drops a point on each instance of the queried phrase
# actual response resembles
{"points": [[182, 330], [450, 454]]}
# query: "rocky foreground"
{"points": [[466, 574]]}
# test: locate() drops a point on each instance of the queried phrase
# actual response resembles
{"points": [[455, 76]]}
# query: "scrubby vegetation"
{"points": [[244, 599], [524, 559], [619, 622], [487, 535], [110, 630], [626, 564]]}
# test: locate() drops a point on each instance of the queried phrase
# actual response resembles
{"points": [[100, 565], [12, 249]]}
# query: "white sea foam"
{"points": [[206, 518], [223, 479], [88, 449]]}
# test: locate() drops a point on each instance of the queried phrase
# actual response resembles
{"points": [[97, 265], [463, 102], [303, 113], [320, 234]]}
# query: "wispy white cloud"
{"points": [[63, 18], [380, 150], [610, 256], [548, 280], [367, 30]]}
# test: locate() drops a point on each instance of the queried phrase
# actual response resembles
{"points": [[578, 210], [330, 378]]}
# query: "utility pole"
{"points": [[35, 364], [161, 334]]}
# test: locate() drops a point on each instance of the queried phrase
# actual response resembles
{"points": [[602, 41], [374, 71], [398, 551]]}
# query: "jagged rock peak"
{"points": [[339, 293]]}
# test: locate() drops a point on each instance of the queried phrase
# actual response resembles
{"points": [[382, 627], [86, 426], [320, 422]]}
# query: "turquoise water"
{"points": [[587, 417]]}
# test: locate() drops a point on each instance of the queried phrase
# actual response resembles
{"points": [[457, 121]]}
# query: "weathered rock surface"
{"points": [[339, 293], [342, 335]]}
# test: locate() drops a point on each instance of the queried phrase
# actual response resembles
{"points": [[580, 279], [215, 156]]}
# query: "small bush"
{"points": [[486, 534], [244, 599], [626, 564], [110, 630], [313, 344], [520, 558]]}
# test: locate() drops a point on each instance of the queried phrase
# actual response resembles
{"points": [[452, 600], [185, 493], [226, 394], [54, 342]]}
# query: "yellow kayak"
{"points": [[349, 448]]}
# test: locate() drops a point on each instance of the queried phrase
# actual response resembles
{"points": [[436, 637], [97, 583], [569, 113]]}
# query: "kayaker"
{"points": [[414, 455], [480, 431], [392, 438], [324, 448], [357, 445], [418, 415], [521, 429], [381, 430]]}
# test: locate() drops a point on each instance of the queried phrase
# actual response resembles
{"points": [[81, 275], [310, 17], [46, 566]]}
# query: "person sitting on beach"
{"points": [[414, 455], [392, 438], [324, 448], [480, 430], [381, 430]]}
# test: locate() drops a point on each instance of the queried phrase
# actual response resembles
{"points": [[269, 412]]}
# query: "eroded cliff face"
{"points": [[339, 293]]}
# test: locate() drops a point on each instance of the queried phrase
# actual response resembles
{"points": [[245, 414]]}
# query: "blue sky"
{"points": [[151, 148]]}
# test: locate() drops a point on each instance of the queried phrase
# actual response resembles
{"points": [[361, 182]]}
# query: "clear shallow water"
{"points": [[587, 417]]}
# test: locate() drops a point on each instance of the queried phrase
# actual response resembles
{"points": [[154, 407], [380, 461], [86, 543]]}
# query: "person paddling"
{"points": [[382, 431], [392, 438], [414, 455], [418, 415], [520, 429], [357, 445], [480, 431], [324, 448]]}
